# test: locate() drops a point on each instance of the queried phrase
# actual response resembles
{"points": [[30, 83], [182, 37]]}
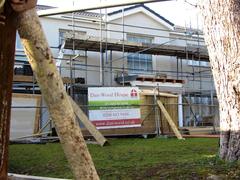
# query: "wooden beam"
{"points": [[28, 96], [202, 136], [22, 78], [37, 115], [169, 119], [7, 57], [31, 79], [87, 123], [152, 93]]}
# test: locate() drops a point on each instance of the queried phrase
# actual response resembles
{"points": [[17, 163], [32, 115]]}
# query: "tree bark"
{"points": [[222, 35], [7, 57], [53, 92]]}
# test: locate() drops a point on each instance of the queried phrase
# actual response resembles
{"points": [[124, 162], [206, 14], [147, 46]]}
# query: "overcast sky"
{"points": [[180, 12]]}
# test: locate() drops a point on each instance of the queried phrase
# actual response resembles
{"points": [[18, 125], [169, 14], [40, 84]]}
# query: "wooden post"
{"points": [[7, 57], [90, 127], [169, 119], [55, 96]]}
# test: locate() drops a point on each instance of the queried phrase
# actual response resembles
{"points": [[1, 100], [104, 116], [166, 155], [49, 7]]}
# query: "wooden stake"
{"points": [[55, 96], [90, 127], [7, 57], [169, 119]]}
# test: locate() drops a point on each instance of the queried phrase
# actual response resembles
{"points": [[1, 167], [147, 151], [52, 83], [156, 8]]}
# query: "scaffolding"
{"points": [[199, 105]]}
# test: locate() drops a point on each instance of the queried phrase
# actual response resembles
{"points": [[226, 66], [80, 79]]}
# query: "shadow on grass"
{"points": [[202, 168]]}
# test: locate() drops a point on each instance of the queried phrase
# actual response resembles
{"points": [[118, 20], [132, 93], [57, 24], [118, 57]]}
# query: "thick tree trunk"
{"points": [[53, 92], [7, 57], [222, 36]]}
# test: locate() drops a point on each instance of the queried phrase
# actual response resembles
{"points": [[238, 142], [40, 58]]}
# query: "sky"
{"points": [[180, 12]]}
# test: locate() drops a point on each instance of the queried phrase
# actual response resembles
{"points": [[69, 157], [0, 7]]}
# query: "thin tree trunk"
{"points": [[7, 57], [222, 36], [53, 92]]}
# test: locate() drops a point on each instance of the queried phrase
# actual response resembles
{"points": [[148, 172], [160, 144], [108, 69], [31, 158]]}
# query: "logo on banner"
{"points": [[134, 93]]}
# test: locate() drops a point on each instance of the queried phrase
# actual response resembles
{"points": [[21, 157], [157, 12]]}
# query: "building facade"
{"points": [[134, 46]]}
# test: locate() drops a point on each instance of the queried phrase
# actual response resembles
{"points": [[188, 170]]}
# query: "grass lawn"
{"points": [[132, 158]]}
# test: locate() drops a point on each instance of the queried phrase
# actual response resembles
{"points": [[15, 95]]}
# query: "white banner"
{"points": [[116, 107]]}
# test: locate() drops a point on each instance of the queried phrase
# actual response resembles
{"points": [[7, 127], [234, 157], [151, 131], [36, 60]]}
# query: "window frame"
{"points": [[138, 62]]}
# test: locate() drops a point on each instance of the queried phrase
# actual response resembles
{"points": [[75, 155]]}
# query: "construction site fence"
{"points": [[193, 114]]}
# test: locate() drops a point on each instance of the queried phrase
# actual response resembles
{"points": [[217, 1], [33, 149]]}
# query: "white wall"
{"points": [[161, 34]]}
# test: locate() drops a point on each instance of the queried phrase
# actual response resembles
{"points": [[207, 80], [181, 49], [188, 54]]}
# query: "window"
{"points": [[19, 45], [198, 63], [139, 63]]}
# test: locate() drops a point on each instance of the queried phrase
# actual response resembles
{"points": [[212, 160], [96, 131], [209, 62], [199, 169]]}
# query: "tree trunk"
{"points": [[53, 92], [7, 57], [222, 36]]}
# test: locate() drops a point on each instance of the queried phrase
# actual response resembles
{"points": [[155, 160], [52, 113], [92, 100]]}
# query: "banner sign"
{"points": [[114, 107]]}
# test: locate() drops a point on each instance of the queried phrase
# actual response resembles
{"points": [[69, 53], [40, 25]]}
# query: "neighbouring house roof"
{"points": [[43, 7], [81, 13], [88, 14], [96, 15], [145, 7]]}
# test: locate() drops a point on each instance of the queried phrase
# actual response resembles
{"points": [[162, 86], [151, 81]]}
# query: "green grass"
{"points": [[155, 158]]}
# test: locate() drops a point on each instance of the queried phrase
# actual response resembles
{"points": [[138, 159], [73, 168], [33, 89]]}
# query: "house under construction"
{"points": [[130, 47]]}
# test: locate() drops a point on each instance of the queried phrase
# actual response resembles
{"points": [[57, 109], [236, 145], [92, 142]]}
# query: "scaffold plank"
{"points": [[86, 43]]}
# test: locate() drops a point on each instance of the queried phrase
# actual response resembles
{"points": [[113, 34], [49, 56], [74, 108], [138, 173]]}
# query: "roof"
{"points": [[88, 14], [145, 7], [43, 7], [80, 13], [98, 15]]}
